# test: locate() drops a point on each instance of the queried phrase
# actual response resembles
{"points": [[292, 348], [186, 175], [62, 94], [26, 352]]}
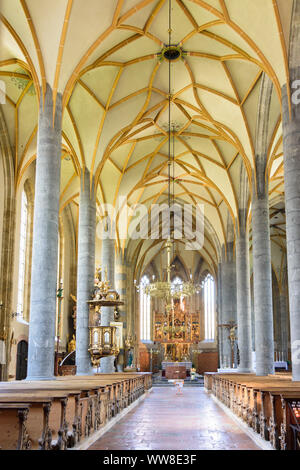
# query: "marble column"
{"points": [[252, 320], [291, 150], [107, 313], [262, 283], [243, 302], [45, 241], [219, 304], [284, 330], [121, 281], [291, 147], [7, 250], [85, 271], [228, 303]]}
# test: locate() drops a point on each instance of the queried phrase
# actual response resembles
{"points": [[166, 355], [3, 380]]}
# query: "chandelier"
{"points": [[166, 289]]}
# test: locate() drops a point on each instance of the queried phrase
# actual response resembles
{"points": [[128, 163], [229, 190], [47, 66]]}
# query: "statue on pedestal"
{"points": [[72, 345]]}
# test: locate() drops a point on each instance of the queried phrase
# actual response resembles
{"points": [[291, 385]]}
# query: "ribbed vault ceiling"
{"points": [[103, 57]]}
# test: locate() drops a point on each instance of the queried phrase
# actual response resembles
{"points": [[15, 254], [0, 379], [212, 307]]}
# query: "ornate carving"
{"points": [[273, 434], [61, 442], [263, 426], [283, 436], [89, 417], [255, 417], [97, 416], [24, 442], [46, 439]]}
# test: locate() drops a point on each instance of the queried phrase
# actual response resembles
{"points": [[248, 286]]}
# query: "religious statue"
{"points": [[72, 345], [130, 358], [116, 313], [74, 313], [232, 335]]}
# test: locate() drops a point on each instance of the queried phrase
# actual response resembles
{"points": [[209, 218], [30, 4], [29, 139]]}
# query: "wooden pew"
{"points": [[59, 413], [82, 402], [270, 405], [13, 417], [290, 427], [49, 416]]}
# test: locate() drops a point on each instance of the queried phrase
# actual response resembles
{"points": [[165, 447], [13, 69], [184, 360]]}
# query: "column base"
{"points": [[245, 371], [33, 379]]}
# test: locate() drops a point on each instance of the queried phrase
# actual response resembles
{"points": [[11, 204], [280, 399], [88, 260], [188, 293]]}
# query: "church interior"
{"points": [[150, 224]]}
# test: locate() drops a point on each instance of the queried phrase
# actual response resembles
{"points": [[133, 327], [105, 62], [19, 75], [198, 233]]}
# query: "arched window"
{"points": [[145, 314], [209, 307], [22, 254]]}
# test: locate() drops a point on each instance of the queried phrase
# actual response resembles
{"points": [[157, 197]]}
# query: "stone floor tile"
{"points": [[166, 421]]}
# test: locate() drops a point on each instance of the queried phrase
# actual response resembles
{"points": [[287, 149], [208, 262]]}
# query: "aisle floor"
{"points": [[166, 421]]}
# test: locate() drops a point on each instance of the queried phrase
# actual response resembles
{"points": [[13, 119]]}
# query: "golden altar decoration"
{"points": [[177, 330], [102, 339]]}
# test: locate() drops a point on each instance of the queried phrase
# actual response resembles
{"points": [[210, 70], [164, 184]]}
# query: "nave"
{"points": [[165, 420], [149, 222]]}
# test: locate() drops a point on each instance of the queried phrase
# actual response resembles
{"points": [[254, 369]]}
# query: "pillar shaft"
{"points": [[243, 302], [284, 325], [219, 306], [45, 242], [107, 313], [291, 146], [121, 281], [262, 277], [85, 271], [228, 307]]}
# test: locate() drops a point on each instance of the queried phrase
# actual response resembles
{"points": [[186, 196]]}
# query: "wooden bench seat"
{"points": [[52, 419], [88, 403], [58, 414], [268, 404], [13, 416]]}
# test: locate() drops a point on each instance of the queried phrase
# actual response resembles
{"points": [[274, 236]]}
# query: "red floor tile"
{"points": [[166, 421]]}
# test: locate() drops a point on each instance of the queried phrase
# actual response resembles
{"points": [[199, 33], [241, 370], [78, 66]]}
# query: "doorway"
{"points": [[22, 355]]}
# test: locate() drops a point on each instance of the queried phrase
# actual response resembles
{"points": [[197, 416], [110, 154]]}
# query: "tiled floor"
{"points": [[166, 421]]}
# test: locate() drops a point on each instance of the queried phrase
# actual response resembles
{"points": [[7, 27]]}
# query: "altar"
{"points": [[176, 370], [177, 330]]}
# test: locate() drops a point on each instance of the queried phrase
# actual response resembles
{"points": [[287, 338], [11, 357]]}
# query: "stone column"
{"points": [[107, 313], [219, 320], [252, 320], [284, 330], [85, 271], [7, 248], [262, 283], [291, 150], [243, 302], [121, 281], [45, 242], [277, 318], [228, 303]]}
